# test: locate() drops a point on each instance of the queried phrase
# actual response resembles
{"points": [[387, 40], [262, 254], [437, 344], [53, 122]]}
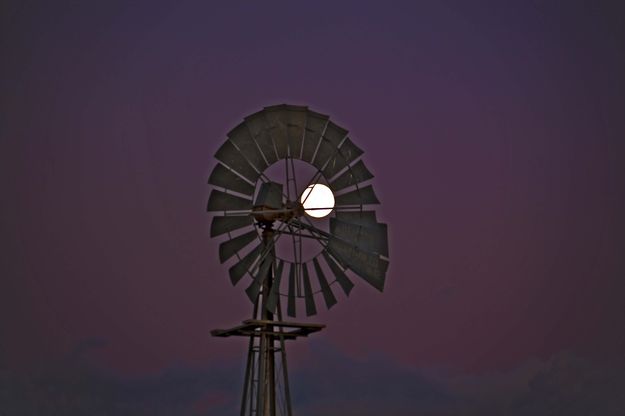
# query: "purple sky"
{"points": [[496, 134]]}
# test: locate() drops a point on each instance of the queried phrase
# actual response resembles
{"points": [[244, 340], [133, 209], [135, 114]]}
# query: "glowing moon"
{"points": [[318, 200]]}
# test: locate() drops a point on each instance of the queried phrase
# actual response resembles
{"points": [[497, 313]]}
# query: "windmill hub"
{"points": [[287, 212]]}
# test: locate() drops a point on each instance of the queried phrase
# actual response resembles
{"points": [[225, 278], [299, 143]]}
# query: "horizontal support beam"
{"points": [[255, 327]]}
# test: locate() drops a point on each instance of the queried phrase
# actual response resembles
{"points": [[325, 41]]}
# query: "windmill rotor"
{"points": [[351, 242]]}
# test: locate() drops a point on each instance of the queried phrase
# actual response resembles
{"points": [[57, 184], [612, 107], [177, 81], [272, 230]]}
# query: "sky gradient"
{"points": [[495, 134]]}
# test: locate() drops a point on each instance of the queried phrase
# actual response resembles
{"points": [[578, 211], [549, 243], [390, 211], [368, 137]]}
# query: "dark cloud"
{"points": [[565, 384], [77, 386], [85, 346], [328, 383], [335, 383]]}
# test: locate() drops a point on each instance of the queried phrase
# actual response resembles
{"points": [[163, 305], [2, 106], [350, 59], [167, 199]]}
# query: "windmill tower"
{"points": [[293, 206]]}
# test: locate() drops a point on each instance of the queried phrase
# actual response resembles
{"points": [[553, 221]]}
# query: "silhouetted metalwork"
{"points": [[253, 211]]}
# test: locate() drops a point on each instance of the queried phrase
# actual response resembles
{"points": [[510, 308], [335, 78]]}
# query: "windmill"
{"points": [[292, 239]]}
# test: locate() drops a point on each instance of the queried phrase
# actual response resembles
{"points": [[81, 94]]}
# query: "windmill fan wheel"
{"points": [[257, 189]]}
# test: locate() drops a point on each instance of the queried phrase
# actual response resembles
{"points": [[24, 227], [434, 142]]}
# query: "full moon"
{"points": [[318, 200]]}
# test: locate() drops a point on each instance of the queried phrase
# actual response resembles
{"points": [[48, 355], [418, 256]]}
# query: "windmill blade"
{"points": [[315, 125], [221, 201], [336, 163], [290, 309], [347, 153], [276, 125], [334, 133], [352, 176], [231, 247], [365, 218], [324, 151], [257, 126], [308, 293], [330, 141], [265, 144], [254, 288], [286, 125], [361, 196], [222, 225], [367, 265], [295, 125], [274, 294], [238, 270], [372, 238], [242, 139], [328, 296], [349, 150], [269, 195], [234, 159], [227, 179], [340, 275]]}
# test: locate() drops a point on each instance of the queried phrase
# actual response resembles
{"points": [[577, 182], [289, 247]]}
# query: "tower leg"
{"points": [[259, 391], [248, 384], [285, 373]]}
